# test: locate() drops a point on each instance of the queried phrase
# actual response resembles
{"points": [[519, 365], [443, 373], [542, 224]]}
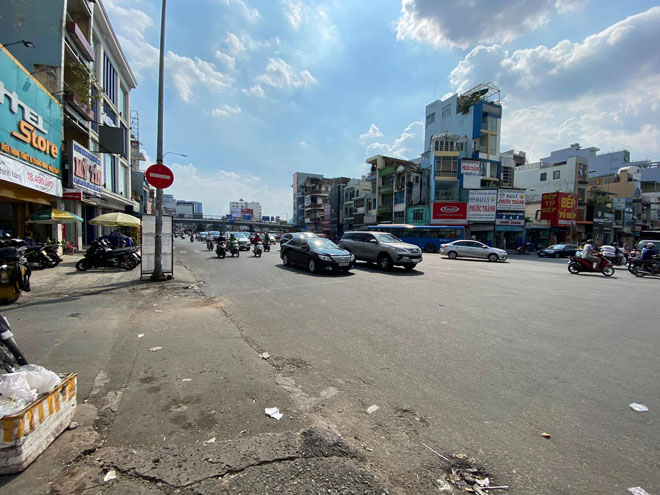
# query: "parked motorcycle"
{"points": [[11, 356], [14, 275], [258, 249], [99, 255], [234, 250], [220, 249], [578, 265]]}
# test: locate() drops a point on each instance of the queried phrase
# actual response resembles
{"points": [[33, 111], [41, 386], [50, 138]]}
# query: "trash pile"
{"points": [[22, 387], [470, 480]]}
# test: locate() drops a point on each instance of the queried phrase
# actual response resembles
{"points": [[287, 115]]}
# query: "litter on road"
{"points": [[274, 412], [210, 440], [436, 453], [638, 407], [545, 435], [264, 355], [140, 335], [372, 409], [154, 349], [187, 380], [110, 475], [638, 490]]}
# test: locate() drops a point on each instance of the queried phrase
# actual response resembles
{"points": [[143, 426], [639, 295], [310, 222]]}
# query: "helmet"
{"points": [[590, 241], [650, 245]]}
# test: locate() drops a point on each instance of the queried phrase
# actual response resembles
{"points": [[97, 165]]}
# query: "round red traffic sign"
{"points": [[159, 176]]}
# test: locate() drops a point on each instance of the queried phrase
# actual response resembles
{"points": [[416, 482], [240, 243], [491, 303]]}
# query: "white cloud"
{"points": [[465, 23], [238, 47], [372, 133], [293, 12], [407, 145], [279, 74], [216, 189], [303, 144], [250, 13], [603, 91], [225, 111], [126, 20], [255, 90], [187, 73]]}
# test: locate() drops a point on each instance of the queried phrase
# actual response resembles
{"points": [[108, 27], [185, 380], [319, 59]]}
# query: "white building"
{"points": [[240, 208]]}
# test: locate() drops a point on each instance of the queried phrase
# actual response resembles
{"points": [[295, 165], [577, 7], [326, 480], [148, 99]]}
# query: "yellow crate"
{"points": [[25, 435]]}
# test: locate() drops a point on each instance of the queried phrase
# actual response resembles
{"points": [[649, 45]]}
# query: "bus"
{"points": [[427, 237]]}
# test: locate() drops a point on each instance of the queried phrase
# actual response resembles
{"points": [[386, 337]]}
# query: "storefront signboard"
{"points": [[510, 200], [559, 208], [24, 175], [30, 119], [236, 212], [86, 169], [482, 205], [507, 219], [449, 213], [471, 172]]}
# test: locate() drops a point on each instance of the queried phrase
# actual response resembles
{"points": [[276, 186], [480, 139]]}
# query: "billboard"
{"points": [[86, 169], [559, 208], [471, 172], [510, 200], [482, 205], [236, 212], [449, 213], [506, 219]]}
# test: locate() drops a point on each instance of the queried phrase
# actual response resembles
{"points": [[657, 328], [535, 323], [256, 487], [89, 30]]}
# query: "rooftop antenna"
{"points": [[435, 88]]}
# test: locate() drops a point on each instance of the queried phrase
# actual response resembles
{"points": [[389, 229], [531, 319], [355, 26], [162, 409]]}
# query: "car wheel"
{"points": [[311, 265], [384, 262], [285, 260], [452, 255], [492, 257], [430, 248]]}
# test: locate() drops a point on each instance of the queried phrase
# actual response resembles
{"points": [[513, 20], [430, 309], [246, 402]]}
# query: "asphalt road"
{"points": [[472, 358]]}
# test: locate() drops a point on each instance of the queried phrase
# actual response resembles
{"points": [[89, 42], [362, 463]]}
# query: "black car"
{"points": [[317, 254], [558, 251], [296, 235]]}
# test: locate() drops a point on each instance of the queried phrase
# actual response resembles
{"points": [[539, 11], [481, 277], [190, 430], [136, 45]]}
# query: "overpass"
{"points": [[224, 224]]}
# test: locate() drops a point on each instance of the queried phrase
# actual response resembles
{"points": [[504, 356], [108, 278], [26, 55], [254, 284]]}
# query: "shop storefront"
{"points": [[30, 161], [560, 210], [481, 213], [510, 218]]}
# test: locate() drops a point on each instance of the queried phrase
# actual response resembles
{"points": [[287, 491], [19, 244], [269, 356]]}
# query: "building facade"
{"points": [[246, 210]]}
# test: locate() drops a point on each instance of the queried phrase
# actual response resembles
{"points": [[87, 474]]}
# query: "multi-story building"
{"points": [[380, 200], [410, 194], [354, 194], [461, 152], [189, 208], [247, 210], [169, 204], [299, 178], [76, 56], [316, 204], [509, 161], [337, 206]]}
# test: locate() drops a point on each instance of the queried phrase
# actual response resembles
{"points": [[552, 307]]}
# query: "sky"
{"points": [[256, 90]]}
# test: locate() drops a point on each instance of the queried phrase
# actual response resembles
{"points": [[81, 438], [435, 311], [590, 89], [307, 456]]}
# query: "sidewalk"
{"points": [[171, 397]]}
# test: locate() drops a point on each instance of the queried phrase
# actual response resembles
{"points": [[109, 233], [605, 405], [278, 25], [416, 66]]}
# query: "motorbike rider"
{"points": [[648, 255], [257, 239], [588, 252], [266, 239], [232, 240]]}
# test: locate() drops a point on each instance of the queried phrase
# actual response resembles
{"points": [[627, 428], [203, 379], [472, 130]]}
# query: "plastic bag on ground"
{"points": [[39, 378], [15, 393]]}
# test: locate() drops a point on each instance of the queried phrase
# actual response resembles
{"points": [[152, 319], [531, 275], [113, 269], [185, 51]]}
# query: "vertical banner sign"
{"points": [[482, 205], [148, 246]]}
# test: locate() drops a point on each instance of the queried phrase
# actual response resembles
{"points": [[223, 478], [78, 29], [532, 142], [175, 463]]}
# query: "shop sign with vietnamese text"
{"points": [[559, 208], [510, 200], [86, 169], [471, 172], [449, 213], [482, 205]]}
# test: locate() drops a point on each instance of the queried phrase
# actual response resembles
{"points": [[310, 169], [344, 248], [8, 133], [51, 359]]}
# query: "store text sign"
{"points": [[559, 208], [30, 118], [510, 200], [482, 205], [449, 213], [86, 167]]}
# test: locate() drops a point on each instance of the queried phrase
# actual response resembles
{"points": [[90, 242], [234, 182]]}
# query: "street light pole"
{"points": [[157, 274]]}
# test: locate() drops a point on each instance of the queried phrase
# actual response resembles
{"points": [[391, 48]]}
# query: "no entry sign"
{"points": [[159, 176]]}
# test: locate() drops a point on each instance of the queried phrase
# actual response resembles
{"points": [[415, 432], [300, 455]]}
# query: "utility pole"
{"points": [[157, 274]]}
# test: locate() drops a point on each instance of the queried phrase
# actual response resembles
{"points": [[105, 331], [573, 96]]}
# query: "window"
{"points": [[430, 118], [388, 181], [387, 202], [446, 166], [437, 144], [122, 102], [107, 171], [418, 215], [109, 79], [399, 214], [122, 180], [446, 190], [544, 176], [446, 111], [556, 174]]}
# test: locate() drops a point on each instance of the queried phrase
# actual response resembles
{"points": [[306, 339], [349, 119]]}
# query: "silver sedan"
{"points": [[472, 249]]}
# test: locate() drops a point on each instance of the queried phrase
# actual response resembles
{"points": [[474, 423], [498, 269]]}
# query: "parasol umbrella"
{"points": [[116, 220], [53, 215]]}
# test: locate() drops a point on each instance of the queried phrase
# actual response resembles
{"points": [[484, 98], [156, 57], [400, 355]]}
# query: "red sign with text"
{"points": [[559, 208], [159, 176], [449, 213]]}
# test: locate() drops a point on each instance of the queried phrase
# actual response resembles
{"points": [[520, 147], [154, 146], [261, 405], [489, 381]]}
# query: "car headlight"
{"points": [[402, 251], [324, 257], [352, 257]]}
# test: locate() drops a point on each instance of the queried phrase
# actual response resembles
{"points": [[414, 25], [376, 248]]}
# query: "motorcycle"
{"points": [[221, 249], [99, 255], [266, 247], [577, 265], [11, 356], [234, 250], [14, 275], [209, 244], [258, 249], [616, 259], [641, 268]]}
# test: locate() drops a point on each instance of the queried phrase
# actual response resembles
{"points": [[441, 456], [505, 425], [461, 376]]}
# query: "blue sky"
{"points": [[258, 89]]}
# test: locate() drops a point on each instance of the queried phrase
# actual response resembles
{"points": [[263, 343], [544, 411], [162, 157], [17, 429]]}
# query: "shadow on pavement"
{"points": [[478, 260], [303, 271], [395, 270]]}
